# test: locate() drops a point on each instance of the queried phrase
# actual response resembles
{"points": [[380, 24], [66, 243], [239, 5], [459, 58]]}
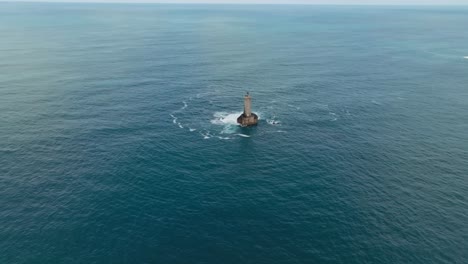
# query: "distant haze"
{"points": [[344, 2]]}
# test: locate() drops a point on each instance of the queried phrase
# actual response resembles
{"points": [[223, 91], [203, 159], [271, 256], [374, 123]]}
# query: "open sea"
{"points": [[118, 140]]}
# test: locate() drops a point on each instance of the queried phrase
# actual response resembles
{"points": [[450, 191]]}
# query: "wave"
{"points": [[222, 125], [466, 57], [206, 135], [224, 118], [174, 119], [227, 120], [273, 122]]}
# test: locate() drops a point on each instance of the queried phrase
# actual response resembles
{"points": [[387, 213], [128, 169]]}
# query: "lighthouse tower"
{"points": [[247, 118]]}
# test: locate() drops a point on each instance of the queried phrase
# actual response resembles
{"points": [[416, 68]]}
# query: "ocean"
{"points": [[118, 140]]}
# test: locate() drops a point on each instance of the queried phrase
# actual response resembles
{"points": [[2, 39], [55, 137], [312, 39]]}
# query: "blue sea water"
{"points": [[118, 141]]}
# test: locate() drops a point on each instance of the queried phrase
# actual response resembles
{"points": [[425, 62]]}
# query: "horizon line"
{"points": [[228, 3]]}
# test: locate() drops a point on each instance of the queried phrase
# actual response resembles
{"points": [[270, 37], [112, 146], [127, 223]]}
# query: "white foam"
{"points": [[243, 135], [180, 125], [174, 119], [206, 134], [185, 105], [466, 57], [227, 120], [229, 129], [273, 122], [192, 129], [224, 118]]}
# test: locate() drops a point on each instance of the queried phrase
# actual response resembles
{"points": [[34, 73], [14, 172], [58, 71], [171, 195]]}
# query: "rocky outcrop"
{"points": [[247, 118], [244, 120]]}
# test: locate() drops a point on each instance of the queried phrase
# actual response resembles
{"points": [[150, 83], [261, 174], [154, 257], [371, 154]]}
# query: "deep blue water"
{"points": [[117, 141]]}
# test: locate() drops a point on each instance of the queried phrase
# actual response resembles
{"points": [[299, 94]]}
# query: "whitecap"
{"points": [[243, 135], [206, 135], [466, 57], [229, 129], [174, 119], [224, 118], [191, 129], [185, 105], [273, 122], [227, 120]]}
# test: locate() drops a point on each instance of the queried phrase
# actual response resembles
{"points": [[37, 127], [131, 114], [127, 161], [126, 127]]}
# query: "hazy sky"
{"points": [[385, 2]]}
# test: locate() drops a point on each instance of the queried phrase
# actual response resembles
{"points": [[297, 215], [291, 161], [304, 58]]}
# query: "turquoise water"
{"points": [[117, 140]]}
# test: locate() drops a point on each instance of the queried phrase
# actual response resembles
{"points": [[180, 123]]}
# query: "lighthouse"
{"points": [[247, 118]]}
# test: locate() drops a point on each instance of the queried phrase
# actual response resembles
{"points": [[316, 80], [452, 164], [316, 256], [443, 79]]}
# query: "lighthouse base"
{"points": [[247, 120]]}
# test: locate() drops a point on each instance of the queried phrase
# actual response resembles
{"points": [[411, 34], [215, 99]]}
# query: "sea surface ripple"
{"points": [[118, 141]]}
